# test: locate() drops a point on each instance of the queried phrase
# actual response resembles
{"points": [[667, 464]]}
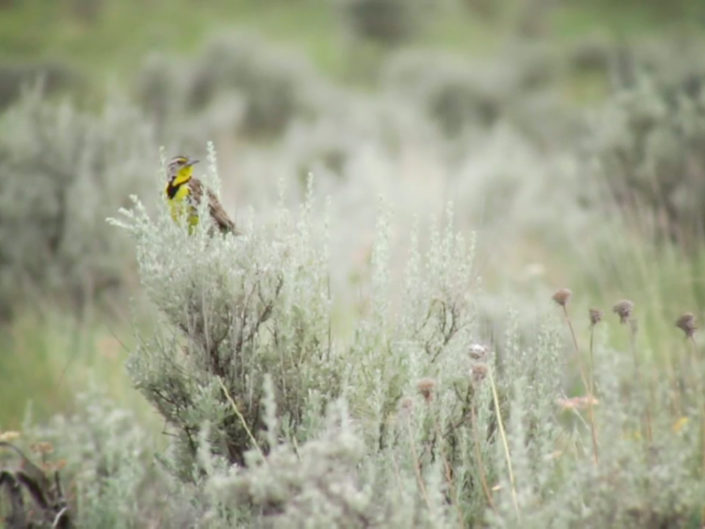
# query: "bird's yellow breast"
{"points": [[179, 205]]}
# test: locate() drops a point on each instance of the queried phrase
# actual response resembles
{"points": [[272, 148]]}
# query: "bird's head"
{"points": [[180, 169]]}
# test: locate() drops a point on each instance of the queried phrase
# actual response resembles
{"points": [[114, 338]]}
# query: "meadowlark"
{"points": [[184, 193]]}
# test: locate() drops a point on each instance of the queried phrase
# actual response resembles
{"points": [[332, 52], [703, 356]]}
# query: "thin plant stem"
{"points": [[632, 346], [448, 471], [698, 391], [478, 459], [638, 377], [676, 368], [505, 445], [592, 359], [417, 465], [579, 361], [397, 474], [587, 383], [242, 419]]}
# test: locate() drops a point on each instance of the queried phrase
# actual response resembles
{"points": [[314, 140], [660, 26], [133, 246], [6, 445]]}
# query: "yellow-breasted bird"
{"points": [[184, 193]]}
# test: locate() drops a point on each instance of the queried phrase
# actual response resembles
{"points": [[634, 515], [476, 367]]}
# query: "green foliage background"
{"points": [[414, 180]]}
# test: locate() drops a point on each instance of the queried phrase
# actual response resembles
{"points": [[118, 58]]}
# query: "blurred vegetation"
{"points": [[264, 88], [650, 152], [386, 21], [72, 170], [397, 369]]}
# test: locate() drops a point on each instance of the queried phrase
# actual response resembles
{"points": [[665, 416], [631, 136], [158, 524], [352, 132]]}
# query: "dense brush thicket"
{"points": [[414, 420], [300, 380]]}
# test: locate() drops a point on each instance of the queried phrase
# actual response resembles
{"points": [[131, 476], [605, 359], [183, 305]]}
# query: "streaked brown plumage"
{"points": [[183, 188], [214, 207]]}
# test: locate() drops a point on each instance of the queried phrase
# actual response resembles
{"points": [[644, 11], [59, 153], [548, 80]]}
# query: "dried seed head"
{"points": [[562, 296], [425, 387], [478, 372], [624, 308], [687, 324], [478, 351], [54, 466], [42, 447], [577, 403], [595, 316], [406, 404]]}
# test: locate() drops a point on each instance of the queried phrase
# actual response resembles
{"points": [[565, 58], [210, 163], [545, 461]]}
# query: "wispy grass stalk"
{"points": [[505, 445]]}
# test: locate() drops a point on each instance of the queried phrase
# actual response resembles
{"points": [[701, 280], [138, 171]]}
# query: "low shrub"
{"points": [[414, 421], [385, 21], [64, 172], [649, 146], [16, 77], [260, 88], [460, 95]]}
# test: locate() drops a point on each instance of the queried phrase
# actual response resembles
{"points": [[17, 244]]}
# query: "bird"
{"points": [[184, 193]]}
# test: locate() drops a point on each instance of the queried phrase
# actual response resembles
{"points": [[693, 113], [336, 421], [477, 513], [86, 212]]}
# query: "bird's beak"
{"points": [[191, 162]]}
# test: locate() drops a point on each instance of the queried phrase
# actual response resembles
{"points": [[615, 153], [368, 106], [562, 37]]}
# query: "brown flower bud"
{"points": [[595, 316], [562, 296], [406, 404], [478, 372], [624, 309], [425, 387], [42, 447], [687, 324]]}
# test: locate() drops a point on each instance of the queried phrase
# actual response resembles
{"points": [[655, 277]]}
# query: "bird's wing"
{"points": [[219, 215], [214, 207]]}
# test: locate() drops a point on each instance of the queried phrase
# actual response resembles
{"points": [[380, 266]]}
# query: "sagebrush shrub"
{"points": [[14, 78], [64, 172], [235, 309], [386, 21], [460, 95], [104, 458], [236, 83], [413, 421], [649, 146]]}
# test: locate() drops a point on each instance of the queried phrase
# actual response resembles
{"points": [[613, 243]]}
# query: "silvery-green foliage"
{"points": [[648, 472], [233, 309], [427, 424], [64, 172], [54, 76], [386, 21], [649, 146], [272, 83], [317, 484], [107, 462], [459, 95], [236, 84]]}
